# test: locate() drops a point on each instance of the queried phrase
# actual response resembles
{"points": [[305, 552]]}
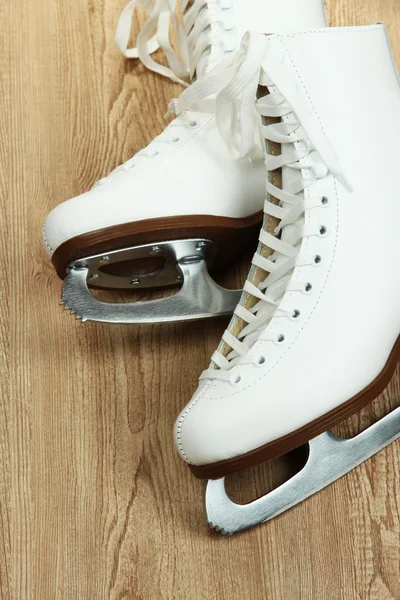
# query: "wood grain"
{"points": [[95, 504]]}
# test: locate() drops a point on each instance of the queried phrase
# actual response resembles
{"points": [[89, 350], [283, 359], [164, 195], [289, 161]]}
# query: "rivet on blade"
{"points": [[200, 246], [78, 265]]}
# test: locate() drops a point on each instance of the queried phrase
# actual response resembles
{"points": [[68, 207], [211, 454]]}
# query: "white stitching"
{"points": [[330, 30], [182, 418], [45, 239]]}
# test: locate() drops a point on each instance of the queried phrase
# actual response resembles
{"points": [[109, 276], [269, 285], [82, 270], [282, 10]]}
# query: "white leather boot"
{"points": [[315, 336], [181, 204]]}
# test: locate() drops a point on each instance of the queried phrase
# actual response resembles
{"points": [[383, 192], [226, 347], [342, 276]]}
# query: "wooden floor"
{"points": [[95, 504]]}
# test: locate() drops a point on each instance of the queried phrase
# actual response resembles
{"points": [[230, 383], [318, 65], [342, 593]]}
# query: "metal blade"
{"points": [[329, 459], [200, 297]]}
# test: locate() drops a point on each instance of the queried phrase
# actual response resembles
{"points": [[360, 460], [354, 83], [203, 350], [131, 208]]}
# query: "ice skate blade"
{"points": [[200, 297], [329, 459]]}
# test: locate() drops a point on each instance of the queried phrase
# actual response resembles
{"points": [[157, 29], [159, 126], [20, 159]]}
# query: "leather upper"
{"points": [[187, 170], [350, 319], [191, 174]]}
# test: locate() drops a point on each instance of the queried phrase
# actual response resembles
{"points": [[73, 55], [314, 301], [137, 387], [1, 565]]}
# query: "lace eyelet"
{"points": [[193, 124], [320, 170], [317, 260], [308, 288], [324, 201], [280, 339], [323, 231], [236, 380], [260, 361], [154, 154], [295, 315], [175, 140]]}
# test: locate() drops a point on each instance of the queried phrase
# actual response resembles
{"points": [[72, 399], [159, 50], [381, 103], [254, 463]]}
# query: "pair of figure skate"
{"points": [[293, 132]]}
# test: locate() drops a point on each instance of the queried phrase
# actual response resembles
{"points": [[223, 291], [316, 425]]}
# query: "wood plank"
{"points": [[95, 504]]}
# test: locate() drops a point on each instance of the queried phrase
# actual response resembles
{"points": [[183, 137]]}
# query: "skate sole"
{"points": [[306, 433], [232, 236]]}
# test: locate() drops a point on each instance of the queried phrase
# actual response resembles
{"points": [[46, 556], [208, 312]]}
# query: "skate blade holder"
{"points": [[183, 262], [330, 457]]}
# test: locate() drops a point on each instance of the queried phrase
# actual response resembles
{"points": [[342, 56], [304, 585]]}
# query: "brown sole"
{"points": [[232, 236], [307, 432]]}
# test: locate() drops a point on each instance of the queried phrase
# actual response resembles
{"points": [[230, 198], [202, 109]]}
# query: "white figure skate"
{"points": [[315, 336], [181, 205]]}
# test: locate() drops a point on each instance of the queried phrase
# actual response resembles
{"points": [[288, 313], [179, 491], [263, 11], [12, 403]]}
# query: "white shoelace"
{"points": [[167, 138], [239, 118], [193, 39]]}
